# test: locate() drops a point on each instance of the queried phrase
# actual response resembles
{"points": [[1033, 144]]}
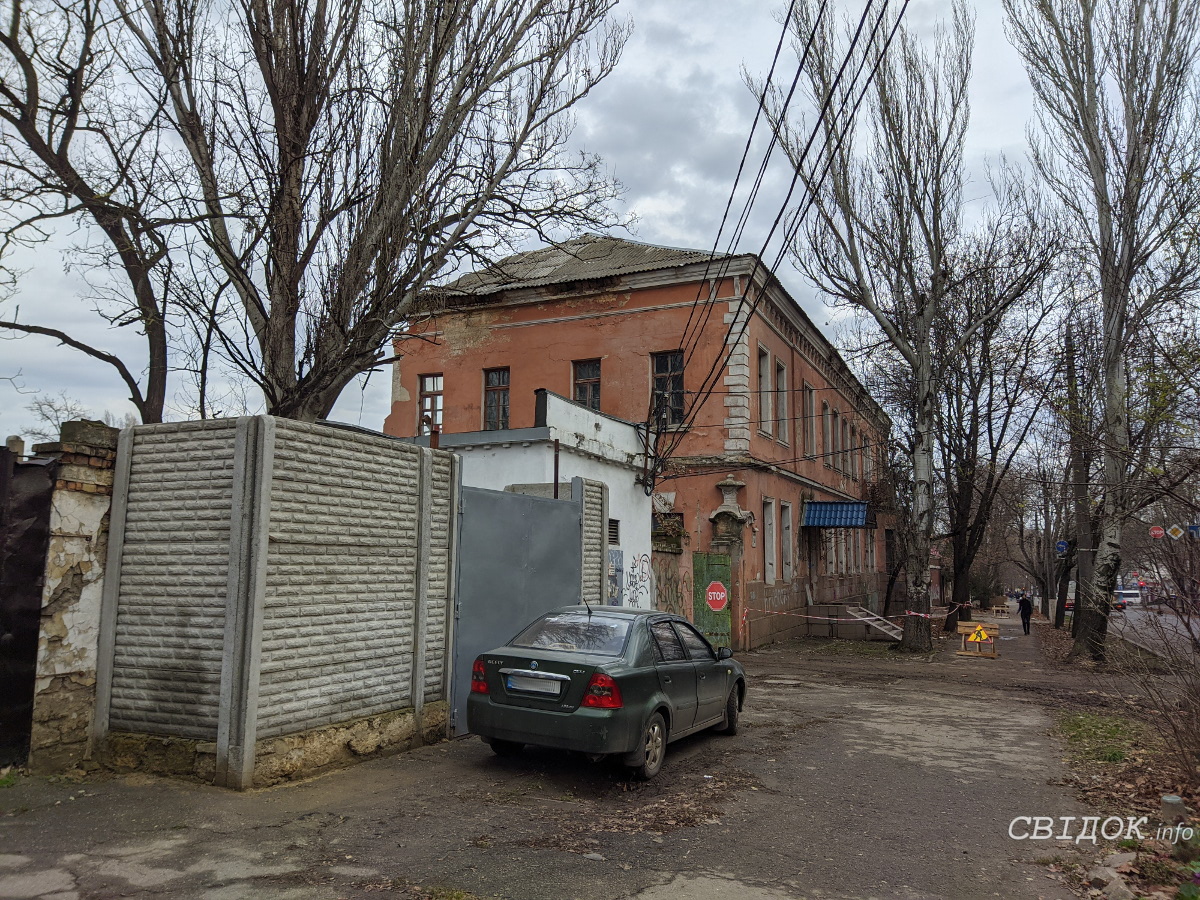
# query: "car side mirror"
{"points": [[724, 653]]}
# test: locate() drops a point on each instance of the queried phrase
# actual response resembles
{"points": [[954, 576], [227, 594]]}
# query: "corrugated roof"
{"points": [[835, 514], [587, 258]]}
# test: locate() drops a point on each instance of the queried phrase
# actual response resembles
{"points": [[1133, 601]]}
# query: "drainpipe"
{"points": [[435, 437], [556, 468]]}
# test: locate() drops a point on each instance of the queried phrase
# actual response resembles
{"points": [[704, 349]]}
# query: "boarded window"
{"points": [[785, 541], [768, 539], [781, 403], [766, 418], [826, 435], [810, 421]]}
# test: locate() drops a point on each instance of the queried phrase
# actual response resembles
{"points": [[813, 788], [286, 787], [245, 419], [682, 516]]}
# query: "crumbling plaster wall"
{"points": [[65, 690]]}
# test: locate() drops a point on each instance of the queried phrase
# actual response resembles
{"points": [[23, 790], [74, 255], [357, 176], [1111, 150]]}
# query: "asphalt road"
{"points": [[851, 778], [1154, 627]]}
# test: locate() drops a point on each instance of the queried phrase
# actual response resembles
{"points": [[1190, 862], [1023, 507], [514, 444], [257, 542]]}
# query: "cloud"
{"points": [[671, 123]]}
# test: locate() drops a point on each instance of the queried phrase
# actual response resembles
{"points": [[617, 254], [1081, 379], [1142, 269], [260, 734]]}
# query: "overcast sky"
{"points": [[671, 123]]}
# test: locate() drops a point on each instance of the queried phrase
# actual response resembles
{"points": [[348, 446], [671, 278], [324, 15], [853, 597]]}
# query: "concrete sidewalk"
{"points": [[854, 777]]}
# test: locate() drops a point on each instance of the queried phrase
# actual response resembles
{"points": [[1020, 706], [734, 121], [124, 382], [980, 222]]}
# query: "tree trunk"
{"points": [[960, 598], [918, 630], [1093, 596], [1062, 586]]}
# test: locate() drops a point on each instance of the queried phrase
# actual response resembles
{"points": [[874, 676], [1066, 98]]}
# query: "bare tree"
{"points": [[73, 146], [990, 395], [885, 235], [337, 157], [1115, 82], [50, 411]]}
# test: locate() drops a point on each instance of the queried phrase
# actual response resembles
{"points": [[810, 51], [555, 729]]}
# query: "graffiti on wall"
{"points": [[639, 582], [672, 588]]}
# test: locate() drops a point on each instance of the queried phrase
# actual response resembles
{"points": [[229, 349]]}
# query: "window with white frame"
{"points": [[429, 403]]}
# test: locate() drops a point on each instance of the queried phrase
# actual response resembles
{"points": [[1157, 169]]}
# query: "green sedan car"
{"points": [[605, 680]]}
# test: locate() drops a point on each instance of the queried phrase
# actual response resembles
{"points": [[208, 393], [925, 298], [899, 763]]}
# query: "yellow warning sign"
{"points": [[979, 635]]}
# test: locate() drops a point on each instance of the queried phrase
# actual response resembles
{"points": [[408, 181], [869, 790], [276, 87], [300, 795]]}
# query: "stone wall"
{"points": [[65, 690]]}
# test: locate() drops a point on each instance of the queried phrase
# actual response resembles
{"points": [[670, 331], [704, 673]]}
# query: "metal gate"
{"points": [[707, 568], [25, 489], [518, 556]]}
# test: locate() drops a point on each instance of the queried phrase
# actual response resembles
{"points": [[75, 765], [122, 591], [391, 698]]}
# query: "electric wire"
{"points": [[820, 128]]}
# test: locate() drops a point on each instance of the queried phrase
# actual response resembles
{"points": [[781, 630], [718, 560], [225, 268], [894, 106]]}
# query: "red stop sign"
{"points": [[1157, 531], [716, 596]]}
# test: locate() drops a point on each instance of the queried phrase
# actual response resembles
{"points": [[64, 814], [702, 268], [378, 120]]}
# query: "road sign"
{"points": [[978, 636], [1194, 531], [1175, 532], [716, 596], [1157, 531], [1061, 546]]}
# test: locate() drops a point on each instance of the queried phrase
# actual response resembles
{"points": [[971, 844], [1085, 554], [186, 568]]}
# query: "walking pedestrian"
{"points": [[1025, 608]]}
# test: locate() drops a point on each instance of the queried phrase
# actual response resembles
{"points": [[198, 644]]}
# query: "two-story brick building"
{"points": [[766, 442]]}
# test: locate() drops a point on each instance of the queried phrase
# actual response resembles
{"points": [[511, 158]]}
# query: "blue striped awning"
{"points": [[836, 515]]}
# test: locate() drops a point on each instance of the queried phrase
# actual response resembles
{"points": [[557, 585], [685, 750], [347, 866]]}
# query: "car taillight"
{"points": [[478, 678], [602, 693]]}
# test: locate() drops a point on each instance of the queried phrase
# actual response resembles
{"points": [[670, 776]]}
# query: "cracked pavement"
{"points": [[850, 778]]}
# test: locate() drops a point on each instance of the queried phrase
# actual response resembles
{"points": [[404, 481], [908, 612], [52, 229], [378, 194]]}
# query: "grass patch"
{"points": [[1094, 738], [8, 777], [871, 649]]}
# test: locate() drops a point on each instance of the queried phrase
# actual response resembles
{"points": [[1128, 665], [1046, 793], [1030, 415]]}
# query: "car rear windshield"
{"points": [[576, 631]]}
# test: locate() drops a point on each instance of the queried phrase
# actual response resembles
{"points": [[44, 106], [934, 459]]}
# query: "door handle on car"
{"points": [[667, 679]]}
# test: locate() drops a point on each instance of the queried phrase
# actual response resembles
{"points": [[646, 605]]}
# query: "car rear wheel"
{"points": [[730, 725], [654, 741], [505, 748]]}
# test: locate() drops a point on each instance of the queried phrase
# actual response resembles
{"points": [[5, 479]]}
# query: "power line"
{"points": [[709, 382], [744, 216], [721, 361]]}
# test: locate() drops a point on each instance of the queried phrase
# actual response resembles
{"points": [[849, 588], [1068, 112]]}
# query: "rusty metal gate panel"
{"points": [[25, 491], [518, 556], [707, 568]]}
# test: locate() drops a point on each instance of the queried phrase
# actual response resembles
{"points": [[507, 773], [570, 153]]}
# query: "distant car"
{"points": [[605, 681], [1123, 598]]}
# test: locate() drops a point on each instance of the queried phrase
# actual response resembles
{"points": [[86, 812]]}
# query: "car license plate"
{"points": [[533, 685]]}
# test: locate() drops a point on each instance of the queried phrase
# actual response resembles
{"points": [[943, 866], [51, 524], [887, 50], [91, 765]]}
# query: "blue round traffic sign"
{"points": [[1061, 546]]}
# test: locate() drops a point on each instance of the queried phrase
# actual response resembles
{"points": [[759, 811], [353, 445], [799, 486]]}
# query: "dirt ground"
{"points": [[857, 773]]}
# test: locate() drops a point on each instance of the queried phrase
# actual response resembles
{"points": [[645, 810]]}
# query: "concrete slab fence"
{"points": [[277, 599]]}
